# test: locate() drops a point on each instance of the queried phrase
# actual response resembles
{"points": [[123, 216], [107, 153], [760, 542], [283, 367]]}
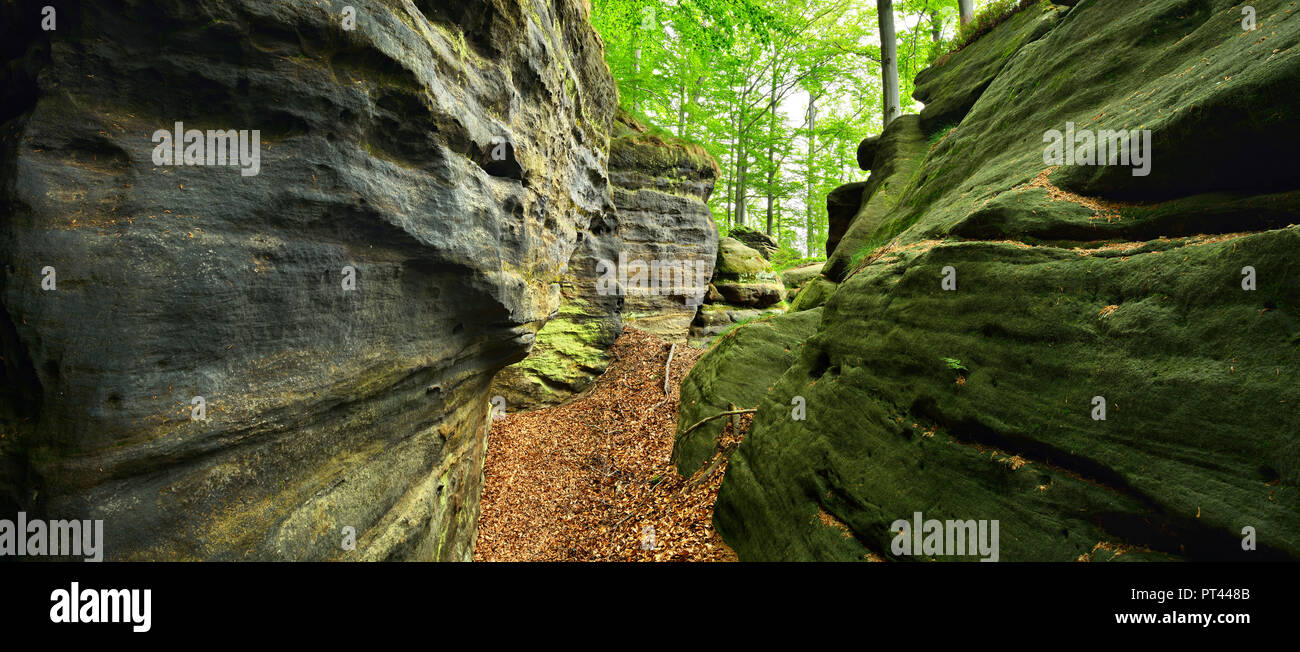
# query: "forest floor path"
{"points": [[592, 480]]}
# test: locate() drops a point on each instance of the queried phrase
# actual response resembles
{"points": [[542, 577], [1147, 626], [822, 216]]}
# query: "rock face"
{"points": [[570, 349], [901, 148], [950, 90], [744, 287], [661, 186], [984, 402], [761, 242], [422, 184], [842, 205]]}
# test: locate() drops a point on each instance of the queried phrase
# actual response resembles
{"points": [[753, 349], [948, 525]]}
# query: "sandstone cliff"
{"points": [[661, 186], [442, 156]]}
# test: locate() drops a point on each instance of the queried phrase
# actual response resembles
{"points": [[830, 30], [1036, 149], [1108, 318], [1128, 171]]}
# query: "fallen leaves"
{"points": [[591, 479]]}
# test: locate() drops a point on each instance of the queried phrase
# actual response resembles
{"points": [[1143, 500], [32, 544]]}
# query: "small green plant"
{"points": [[955, 364], [939, 134]]}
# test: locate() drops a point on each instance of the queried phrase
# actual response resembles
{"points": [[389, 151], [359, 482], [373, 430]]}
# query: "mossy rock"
{"points": [[900, 151], [813, 294], [737, 370], [761, 242], [658, 154], [750, 295], [950, 87], [1071, 283], [737, 261], [797, 276]]}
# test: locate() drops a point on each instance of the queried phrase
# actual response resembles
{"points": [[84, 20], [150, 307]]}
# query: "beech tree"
{"points": [[967, 9], [888, 60]]}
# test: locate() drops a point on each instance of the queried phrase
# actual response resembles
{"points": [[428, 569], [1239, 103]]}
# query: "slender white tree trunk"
{"points": [[810, 220], [889, 59], [967, 9]]}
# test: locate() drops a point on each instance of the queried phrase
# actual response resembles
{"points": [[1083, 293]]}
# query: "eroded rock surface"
{"points": [[980, 402], [661, 186], [744, 288], [761, 242], [448, 153]]}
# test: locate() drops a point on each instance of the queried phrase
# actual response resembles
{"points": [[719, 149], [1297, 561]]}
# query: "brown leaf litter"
{"points": [[591, 479]]}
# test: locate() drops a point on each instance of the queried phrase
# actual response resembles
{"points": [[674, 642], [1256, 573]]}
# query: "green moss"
{"points": [[1060, 298]]}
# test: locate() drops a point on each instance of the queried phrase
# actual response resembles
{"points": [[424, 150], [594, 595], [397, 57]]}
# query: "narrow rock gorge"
{"points": [[319, 281]]}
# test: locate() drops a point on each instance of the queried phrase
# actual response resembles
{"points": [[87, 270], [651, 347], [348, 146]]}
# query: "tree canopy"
{"points": [[779, 91]]}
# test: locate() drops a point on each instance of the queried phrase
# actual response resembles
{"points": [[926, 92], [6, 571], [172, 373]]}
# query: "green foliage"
{"points": [[788, 258], [738, 77], [955, 364]]}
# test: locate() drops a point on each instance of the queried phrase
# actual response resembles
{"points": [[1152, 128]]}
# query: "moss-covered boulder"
{"points": [[756, 295], [1104, 365], [813, 294], [795, 277], [761, 242], [743, 278], [738, 369], [738, 261], [901, 148]]}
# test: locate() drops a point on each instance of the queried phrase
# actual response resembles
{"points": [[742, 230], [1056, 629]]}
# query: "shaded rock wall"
{"points": [[570, 349], [842, 205], [450, 153], [661, 186], [661, 189], [980, 402]]}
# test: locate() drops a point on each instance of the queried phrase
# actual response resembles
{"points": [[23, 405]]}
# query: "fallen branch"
{"points": [[668, 367], [716, 416]]}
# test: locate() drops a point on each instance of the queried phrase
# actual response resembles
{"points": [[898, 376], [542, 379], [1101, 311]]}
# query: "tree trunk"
{"points": [[731, 176], [771, 153], [695, 101], [681, 109], [810, 219], [740, 180], [889, 59], [967, 9]]}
